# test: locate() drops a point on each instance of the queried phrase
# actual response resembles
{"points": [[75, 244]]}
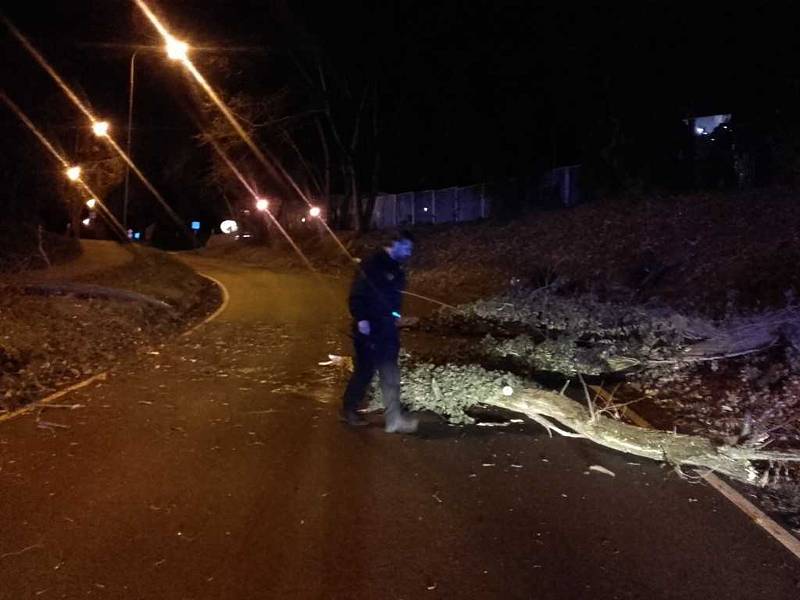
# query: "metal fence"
{"points": [[447, 205], [558, 187]]}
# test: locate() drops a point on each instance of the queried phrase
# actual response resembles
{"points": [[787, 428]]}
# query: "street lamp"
{"points": [[176, 49], [74, 173], [262, 204], [100, 128], [91, 203], [315, 211], [128, 145]]}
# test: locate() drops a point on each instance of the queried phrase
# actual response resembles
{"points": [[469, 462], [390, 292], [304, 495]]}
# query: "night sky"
{"points": [[469, 91]]}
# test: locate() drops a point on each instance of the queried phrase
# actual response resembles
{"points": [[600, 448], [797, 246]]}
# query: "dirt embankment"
{"points": [[50, 340], [702, 252]]}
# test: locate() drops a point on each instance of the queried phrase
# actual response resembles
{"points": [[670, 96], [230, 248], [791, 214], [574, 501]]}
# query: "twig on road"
{"points": [[23, 551], [50, 425]]}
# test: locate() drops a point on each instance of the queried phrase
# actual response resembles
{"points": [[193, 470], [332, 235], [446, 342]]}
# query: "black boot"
{"points": [[352, 418]]}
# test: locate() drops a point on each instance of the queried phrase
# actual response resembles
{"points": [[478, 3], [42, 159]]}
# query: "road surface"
{"points": [[216, 469]]}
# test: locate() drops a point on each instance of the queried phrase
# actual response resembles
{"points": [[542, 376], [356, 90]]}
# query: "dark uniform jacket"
{"points": [[376, 294]]}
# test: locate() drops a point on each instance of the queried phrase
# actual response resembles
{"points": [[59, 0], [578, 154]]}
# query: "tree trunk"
{"points": [[75, 223], [369, 209], [326, 158], [676, 449], [40, 245], [365, 216], [355, 196], [365, 220]]}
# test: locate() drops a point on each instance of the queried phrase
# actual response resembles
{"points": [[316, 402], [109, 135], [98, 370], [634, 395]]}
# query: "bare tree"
{"points": [[354, 125], [286, 133], [318, 123]]}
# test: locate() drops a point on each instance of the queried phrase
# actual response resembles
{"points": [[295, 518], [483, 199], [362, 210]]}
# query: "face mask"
{"points": [[401, 251]]}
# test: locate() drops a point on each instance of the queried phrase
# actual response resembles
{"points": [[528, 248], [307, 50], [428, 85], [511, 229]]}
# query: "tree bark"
{"points": [[326, 158], [676, 449], [40, 245], [75, 222], [355, 195], [369, 209]]}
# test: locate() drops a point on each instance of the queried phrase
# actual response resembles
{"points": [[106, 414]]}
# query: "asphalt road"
{"points": [[216, 468]]}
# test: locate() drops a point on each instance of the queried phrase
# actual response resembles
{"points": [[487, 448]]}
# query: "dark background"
{"points": [[469, 91]]}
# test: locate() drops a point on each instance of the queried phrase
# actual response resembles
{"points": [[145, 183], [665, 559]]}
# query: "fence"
{"points": [[558, 187], [431, 206]]}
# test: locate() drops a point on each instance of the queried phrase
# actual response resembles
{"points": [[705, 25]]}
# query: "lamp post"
{"points": [[176, 50], [128, 145]]}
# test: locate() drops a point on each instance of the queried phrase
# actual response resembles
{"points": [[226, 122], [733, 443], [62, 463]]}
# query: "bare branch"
{"points": [[357, 126]]}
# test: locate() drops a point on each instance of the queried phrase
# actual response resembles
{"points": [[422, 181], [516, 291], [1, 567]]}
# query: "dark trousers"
{"points": [[379, 352]]}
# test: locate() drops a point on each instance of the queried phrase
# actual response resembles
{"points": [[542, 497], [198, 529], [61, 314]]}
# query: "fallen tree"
{"points": [[543, 330], [676, 449], [450, 390], [747, 335], [580, 334]]}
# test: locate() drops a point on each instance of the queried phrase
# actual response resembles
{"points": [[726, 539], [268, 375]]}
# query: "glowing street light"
{"points": [[100, 128], [262, 204], [74, 173], [91, 203], [315, 211], [176, 49]]}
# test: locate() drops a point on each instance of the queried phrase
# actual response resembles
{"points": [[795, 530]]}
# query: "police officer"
{"points": [[375, 303]]}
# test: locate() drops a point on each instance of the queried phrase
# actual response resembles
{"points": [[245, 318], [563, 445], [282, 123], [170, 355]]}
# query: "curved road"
{"points": [[216, 468]]}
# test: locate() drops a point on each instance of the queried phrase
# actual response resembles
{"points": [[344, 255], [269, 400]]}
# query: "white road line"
{"points": [[790, 542], [226, 298], [55, 396], [759, 517]]}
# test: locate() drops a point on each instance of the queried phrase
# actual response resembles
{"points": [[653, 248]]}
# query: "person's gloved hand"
{"points": [[407, 322], [363, 327]]}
